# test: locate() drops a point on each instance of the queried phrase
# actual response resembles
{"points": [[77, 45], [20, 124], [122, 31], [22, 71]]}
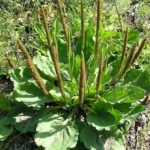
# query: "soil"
{"points": [[138, 137]]}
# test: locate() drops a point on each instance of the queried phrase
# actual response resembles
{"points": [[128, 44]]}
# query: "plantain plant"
{"points": [[75, 95]]}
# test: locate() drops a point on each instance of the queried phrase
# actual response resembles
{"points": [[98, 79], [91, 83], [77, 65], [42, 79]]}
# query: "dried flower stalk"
{"points": [[69, 48], [82, 26], [139, 50], [32, 67], [62, 18], [100, 71], [53, 53], [124, 50], [82, 80], [82, 67], [130, 58], [119, 17], [9, 59], [127, 66], [99, 12], [43, 16], [57, 69], [124, 45]]}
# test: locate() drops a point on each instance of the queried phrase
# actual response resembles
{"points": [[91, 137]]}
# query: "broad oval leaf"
{"points": [[5, 128], [92, 139], [55, 133], [30, 94], [144, 81], [115, 95], [113, 144], [45, 65], [126, 94], [132, 76], [26, 89], [135, 93], [102, 106], [104, 120], [4, 103], [135, 112]]}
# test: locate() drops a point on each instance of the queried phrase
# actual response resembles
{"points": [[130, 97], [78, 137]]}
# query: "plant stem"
{"points": [[32, 67], [82, 26], [99, 12], [139, 51], [82, 80], [100, 71], [43, 15], [127, 66], [82, 67], [124, 50], [54, 53], [124, 45], [57, 68], [119, 17], [62, 19], [130, 58], [9, 59], [69, 52]]}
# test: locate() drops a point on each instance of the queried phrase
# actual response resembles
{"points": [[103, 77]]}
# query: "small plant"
{"points": [[79, 98]]}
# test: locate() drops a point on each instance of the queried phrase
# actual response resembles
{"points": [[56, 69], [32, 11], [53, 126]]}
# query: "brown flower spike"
{"points": [[62, 18], [57, 68], [32, 67], [10, 61], [100, 71], [82, 80], [99, 18]]}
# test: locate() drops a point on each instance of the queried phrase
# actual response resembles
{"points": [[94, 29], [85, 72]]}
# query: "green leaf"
{"points": [[133, 36], [25, 88], [62, 50], [132, 76], [104, 120], [38, 28], [4, 103], [92, 139], [26, 121], [135, 93], [5, 129], [102, 106], [113, 144], [114, 67], [55, 133], [115, 95], [124, 94], [134, 113], [45, 65], [124, 108], [144, 81], [30, 94], [89, 42], [19, 75], [76, 66]]}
